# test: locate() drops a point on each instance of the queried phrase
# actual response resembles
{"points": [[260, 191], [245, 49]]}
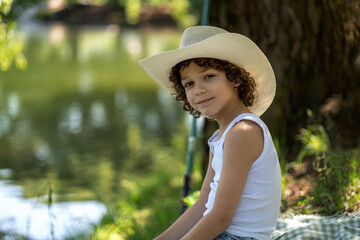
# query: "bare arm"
{"points": [[243, 145], [191, 216]]}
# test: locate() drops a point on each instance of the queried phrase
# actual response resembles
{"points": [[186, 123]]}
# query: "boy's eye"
{"points": [[208, 76], [188, 84]]}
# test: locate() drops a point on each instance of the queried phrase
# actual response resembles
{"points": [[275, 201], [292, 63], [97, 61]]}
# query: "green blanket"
{"points": [[310, 227]]}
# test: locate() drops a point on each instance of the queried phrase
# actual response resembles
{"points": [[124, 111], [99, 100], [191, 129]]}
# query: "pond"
{"points": [[66, 120]]}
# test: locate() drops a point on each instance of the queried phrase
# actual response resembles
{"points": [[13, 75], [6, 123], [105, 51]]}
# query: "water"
{"points": [[66, 122], [32, 218]]}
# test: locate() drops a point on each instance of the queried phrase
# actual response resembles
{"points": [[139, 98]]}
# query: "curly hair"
{"points": [[246, 89]]}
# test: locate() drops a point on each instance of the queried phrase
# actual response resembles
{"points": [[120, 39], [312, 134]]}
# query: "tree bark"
{"points": [[314, 48]]}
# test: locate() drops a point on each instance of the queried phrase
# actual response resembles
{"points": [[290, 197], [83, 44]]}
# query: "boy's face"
{"points": [[208, 90]]}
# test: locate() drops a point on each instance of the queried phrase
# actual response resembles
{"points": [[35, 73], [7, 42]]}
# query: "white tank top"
{"points": [[258, 208]]}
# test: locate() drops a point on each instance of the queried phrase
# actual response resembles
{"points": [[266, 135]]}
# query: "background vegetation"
{"points": [[11, 44], [314, 48]]}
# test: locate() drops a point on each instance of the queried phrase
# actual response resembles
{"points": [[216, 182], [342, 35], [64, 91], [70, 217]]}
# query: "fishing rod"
{"points": [[192, 136]]}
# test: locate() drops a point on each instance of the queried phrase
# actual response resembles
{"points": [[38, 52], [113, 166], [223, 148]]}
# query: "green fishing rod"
{"points": [[192, 136]]}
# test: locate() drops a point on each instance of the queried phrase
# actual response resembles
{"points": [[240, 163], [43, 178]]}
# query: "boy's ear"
{"points": [[236, 84]]}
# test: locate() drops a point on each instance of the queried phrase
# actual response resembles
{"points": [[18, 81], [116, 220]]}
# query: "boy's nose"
{"points": [[200, 90]]}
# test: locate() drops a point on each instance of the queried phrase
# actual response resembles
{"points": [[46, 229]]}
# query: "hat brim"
{"points": [[232, 47]]}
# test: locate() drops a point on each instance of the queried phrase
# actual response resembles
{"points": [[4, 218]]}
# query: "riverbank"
{"points": [[109, 14], [40, 218]]}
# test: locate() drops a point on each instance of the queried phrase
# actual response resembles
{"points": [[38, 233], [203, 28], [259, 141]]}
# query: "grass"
{"points": [[151, 198], [325, 185], [323, 181]]}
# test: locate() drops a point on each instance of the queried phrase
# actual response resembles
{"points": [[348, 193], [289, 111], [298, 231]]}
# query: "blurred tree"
{"points": [[11, 44], [183, 12], [314, 48]]}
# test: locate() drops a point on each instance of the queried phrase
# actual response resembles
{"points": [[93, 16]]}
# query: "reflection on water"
{"points": [[133, 44], [98, 114], [13, 104], [66, 120], [4, 124], [30, 217], [85, 82], [75, 118], [42, 151], [121, 99]]}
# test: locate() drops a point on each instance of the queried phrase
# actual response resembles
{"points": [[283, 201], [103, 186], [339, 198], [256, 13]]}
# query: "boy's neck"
{"points": [[225, 119]]}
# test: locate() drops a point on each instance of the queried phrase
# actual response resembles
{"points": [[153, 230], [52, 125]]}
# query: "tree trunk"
{"points": [[314, 49]]}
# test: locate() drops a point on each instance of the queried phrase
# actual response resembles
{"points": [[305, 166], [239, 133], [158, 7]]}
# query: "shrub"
{"points": [[337, 185]]}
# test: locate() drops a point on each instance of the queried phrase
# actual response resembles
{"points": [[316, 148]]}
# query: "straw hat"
{"points": [[213, 42]]}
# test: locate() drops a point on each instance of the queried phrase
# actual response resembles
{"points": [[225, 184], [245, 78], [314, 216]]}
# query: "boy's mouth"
{"points": [[203, 101]]}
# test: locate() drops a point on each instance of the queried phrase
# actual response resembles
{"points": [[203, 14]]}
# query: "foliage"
{"points": [[132, 11], [314, 139], [185, 12], [5, 7], [179, 9], [336, 173], [11, 43], [150, 199], [338, 184], [12, 236], [192, 198]]}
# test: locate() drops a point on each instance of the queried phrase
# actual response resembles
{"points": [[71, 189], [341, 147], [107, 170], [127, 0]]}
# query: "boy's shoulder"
{"points": [[245, 133], [244, 139], [245, 127]]}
